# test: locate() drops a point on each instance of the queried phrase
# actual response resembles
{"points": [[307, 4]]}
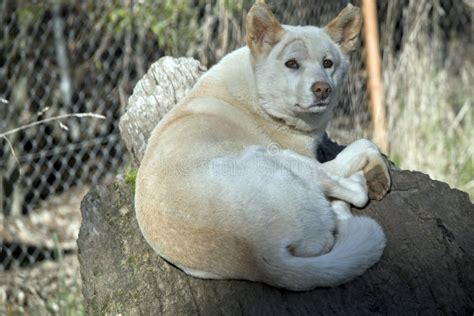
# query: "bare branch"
{"points": [[54, 118], [13, 152]]}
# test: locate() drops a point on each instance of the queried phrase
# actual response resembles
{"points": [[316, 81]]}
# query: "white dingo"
{"points": [[229, 187]]}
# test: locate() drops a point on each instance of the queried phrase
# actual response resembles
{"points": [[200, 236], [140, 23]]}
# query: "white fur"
{"points": [[252, 181], [359, 244]]}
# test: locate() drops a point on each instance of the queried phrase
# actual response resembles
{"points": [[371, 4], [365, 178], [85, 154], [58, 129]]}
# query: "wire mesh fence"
{"points": [[61, 57]]}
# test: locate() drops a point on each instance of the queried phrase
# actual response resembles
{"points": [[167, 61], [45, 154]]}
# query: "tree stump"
{"points": [[427, 267], [166, 82]]}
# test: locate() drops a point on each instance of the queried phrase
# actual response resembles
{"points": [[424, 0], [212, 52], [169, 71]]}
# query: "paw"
{"points": [[378, 177]]}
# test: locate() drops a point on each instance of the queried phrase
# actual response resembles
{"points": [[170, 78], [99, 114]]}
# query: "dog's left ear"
{"points": [[344, 29], [263, 29]]}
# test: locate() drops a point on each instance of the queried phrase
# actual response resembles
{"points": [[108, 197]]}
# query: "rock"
{"points": [[427, 266], [167, 81]]}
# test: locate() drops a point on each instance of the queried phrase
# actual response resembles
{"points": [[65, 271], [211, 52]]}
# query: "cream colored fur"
{"points": [[229, 187]]}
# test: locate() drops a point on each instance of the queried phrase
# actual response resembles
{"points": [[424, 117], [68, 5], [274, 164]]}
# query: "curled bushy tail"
{"points": [[359, 245]]}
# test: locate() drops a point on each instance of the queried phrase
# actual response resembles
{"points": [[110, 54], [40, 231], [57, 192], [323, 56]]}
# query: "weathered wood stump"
{"points": [[167, 81], [427, 267]]}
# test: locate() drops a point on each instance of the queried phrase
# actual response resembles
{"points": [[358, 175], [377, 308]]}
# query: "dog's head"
{"points": [[299, 69]]}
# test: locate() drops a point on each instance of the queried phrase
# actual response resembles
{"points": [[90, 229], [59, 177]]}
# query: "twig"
{"points": [[49, 119], [13, 151], [54, 118]]}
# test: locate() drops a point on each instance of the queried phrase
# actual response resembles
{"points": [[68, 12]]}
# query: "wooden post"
{"points": [[374, 72]]}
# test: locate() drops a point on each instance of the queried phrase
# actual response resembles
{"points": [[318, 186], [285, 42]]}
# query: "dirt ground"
{"points": [[48, 282]]}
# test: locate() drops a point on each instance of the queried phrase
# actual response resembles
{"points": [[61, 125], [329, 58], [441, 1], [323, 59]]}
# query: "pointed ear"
{"points": [[263, 29], [344, 29]]}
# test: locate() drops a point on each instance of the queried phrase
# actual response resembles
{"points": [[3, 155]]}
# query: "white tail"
{"points": [[359, 245]]}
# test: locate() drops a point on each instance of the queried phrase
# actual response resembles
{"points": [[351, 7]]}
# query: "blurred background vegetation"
{"points": [[85, 56]]}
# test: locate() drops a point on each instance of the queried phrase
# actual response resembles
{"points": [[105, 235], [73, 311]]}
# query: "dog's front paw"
{"points": [[378, 177]]}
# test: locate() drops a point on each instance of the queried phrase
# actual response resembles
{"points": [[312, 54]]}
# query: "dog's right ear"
{"points": [[263, 29]]}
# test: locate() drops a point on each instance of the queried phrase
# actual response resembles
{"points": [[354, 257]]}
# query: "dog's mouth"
{"points": [[316, 107]]}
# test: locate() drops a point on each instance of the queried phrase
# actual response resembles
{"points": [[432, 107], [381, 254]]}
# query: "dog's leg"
{"points": [[363, 155], [351, 189], [342, 210], [344, 189]]}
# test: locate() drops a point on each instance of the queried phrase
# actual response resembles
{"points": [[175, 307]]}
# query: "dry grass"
{"points": [[428, 89], [428, 80]]}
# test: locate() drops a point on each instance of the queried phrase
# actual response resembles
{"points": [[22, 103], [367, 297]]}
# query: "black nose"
{"points": [[321, 89]]}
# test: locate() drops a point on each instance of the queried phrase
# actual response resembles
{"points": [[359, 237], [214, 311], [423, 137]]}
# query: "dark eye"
{"points": [[292, 64], [327, 63]]}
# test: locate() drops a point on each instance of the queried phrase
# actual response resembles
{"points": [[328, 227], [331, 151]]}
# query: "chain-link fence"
{"points": [[64, 57]]}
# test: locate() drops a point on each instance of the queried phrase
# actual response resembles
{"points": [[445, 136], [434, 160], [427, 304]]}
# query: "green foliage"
{"points": [[30, 13], [233, 6], [173, 22], [131, 177], [176, 24]]}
